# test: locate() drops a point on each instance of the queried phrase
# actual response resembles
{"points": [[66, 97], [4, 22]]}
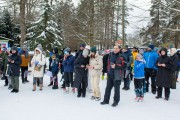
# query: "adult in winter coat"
{"points": [[116, 66], [129, 59], [14, 66], [81, 78], [38, 61], [175, 68], [163, 79], [68, 64], [150, 68], [25, 57], [53, 67], [95, 68]]}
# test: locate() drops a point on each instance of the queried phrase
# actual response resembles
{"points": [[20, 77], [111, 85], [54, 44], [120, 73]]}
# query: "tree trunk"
{"points": [[22, 21]]}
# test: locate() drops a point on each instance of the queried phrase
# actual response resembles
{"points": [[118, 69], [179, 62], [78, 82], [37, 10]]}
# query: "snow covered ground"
{"points": [[56, 105]]}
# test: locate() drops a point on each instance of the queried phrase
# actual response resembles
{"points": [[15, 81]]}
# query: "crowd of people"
{"points": [[84, 70]]}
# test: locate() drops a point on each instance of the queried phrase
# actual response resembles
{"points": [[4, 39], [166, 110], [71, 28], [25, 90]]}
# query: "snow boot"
{"points": [[40, 85], [34, 88], [51, 83]]}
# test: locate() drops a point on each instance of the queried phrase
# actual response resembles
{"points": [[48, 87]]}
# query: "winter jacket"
{"points": [[78, 53], [80, 73], [1, 60], [25, 58], [15, 67], [118, 71], [134, 54], [55, 66], [150, 57], [5, 62], [68, 64], [174, 60], [50, 59], [163, 77], [40, 58], [105, 63], [139, 69], [97, 64], [129, 59]]}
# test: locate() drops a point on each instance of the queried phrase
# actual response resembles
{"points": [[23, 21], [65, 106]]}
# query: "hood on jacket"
{"points": [[38, 50]]}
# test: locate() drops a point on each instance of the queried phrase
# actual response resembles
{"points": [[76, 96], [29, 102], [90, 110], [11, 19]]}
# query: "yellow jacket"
{"points": [[134, 57]]}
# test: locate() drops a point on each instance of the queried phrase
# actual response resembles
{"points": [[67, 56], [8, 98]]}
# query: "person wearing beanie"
{"points": [[25, 57], [68, 64], [81, 73], [14, 65], [139, 76], [150, 56], [175, 68], [81, 48], [94, 69], [163, 78]]}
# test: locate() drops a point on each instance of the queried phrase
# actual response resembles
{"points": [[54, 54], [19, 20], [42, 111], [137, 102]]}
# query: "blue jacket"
{"points": [[139, 69], [55, 66], [69, 64], [150, 57]]}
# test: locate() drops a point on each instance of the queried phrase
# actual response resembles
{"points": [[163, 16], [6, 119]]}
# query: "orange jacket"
{"points": [[25, 60]]}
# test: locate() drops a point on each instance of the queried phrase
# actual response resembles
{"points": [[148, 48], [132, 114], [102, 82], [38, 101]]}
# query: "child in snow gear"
{"points": [[38, 62], [139, 76]]}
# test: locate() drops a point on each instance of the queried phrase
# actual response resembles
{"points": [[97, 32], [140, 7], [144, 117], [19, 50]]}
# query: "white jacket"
{"points": [[97, 63], [42, 60]]}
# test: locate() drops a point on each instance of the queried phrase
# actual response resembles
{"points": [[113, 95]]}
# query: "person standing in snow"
{"points": [[139, 76], [135, 51], [25, 57], [68, 64], [54, 68], [174, 68], [4, 65], [81, 72], [38, 61], [129, 59], [116, 67], [14, 66], [163, 78], [150, 68], [95, 68]]}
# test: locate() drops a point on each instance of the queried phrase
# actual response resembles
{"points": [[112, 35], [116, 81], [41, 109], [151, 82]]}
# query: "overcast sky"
{"points": [[139, 13]]}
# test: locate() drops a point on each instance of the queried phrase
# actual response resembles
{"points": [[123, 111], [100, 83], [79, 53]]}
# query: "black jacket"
{"points": [[163, 78], [15, 67], [174, 60], [80, 73], [105, 63]]}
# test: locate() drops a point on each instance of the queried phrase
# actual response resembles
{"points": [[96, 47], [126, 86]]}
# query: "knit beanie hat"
{"points": [[151, 46], [93, 49]]}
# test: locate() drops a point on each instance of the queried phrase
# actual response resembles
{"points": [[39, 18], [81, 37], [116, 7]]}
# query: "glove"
{"points": [[36, 62], [102, 77]]}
